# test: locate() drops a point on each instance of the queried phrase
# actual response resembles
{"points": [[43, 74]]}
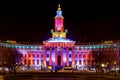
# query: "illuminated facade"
{"points": [[59, 50]]}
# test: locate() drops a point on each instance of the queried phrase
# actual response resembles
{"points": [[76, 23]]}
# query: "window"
{"points": [[70, 63], [88, 55], [53, 48], [47, 48], [33, 55], [70, 49], [84, 61], [25, 56], [42, 55], [37, 55], [75, 61], [37, 62], [29, 62], [88, 62], [70, 55], [75, 55], [25, 61], [64, 48], [47, 62], [29, 55], [79, 61], [47, 55], [84, 56], [80, 56], [33, 62]]}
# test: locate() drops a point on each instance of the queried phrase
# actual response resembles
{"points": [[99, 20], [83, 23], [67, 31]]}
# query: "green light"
{"points": [[101, 46]]}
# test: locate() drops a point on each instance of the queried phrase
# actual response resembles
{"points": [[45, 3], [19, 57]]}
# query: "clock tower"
{"points": [[59, 24]]}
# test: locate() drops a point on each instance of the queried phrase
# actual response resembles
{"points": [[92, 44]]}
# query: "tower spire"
{"points": [[59, 7]]}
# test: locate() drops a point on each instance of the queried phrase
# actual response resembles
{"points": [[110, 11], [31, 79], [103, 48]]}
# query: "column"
{"points": [[73, 56], [67, 58], [50, 56], [56, 56], [62, 57], [44, 58]]}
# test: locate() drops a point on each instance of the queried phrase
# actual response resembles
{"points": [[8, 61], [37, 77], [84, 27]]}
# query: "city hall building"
{"points": [[58, 50]]}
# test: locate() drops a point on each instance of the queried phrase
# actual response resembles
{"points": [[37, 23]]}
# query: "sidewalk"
{"points": [[1, 77]]}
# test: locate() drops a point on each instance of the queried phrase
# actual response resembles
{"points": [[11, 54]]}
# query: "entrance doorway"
{"points": [[58, 60]]}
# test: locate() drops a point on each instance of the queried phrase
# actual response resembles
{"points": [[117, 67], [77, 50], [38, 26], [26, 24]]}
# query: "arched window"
{"points": [[37, 62], [88, 55], [33, 55], [47, 48], [80, 55], [42, 55], [33, 62], [29, 55], [84, 56], [25, 56], [75, 55], [70, 49], [38, 56]]}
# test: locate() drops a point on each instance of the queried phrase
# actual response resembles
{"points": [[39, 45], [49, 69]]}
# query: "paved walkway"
{"points": [[1, 77]]}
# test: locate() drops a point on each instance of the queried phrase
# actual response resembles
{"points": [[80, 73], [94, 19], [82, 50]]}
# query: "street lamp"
{"points": [[102, 65], [115, 67]]}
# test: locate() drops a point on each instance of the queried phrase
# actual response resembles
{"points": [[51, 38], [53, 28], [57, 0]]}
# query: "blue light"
{"points": [[59, 13], [59, 39]]}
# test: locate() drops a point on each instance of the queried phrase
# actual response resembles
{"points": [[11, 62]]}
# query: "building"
{"points": [[58, 50]]}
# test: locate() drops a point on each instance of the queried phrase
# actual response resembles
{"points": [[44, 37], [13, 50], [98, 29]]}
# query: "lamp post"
{"points": [[102, 65], [115, 67]]}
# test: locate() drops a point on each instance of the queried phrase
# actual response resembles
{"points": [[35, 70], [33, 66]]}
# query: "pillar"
{"points": [[67, 57], [56, 56], [44, 58], [73, 56], [62, 57], [50, 56]]}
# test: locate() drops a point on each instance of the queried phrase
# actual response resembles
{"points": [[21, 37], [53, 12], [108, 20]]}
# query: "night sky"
{"points": [[85, 21]]}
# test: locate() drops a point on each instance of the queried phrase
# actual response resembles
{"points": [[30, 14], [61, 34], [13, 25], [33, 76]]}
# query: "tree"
{"points": [[9, 57], [106, 57]]}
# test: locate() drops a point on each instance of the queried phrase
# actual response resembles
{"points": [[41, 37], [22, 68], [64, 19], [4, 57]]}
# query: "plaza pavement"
{"points": [[58, 76]]}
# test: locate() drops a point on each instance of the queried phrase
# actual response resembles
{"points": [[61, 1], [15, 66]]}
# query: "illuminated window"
{"points": [[80, 55], [88, 62], [91, 55], [25, 61], [53, 48], [48, 49], [75, 55], [33, 55], [29, 55], [84, 56], [75, 61], [79, 61], [64, 48], [70, 55], [25, 56], [37, 62], [33, 62], [47, 62], [84, 61], [29, 62], [47, 55], [38, 56], [88, 55], [70, 49], [42, 55], [70, 63]]}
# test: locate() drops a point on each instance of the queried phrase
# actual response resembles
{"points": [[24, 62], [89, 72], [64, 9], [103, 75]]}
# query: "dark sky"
{"points": [[85, 21]]}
